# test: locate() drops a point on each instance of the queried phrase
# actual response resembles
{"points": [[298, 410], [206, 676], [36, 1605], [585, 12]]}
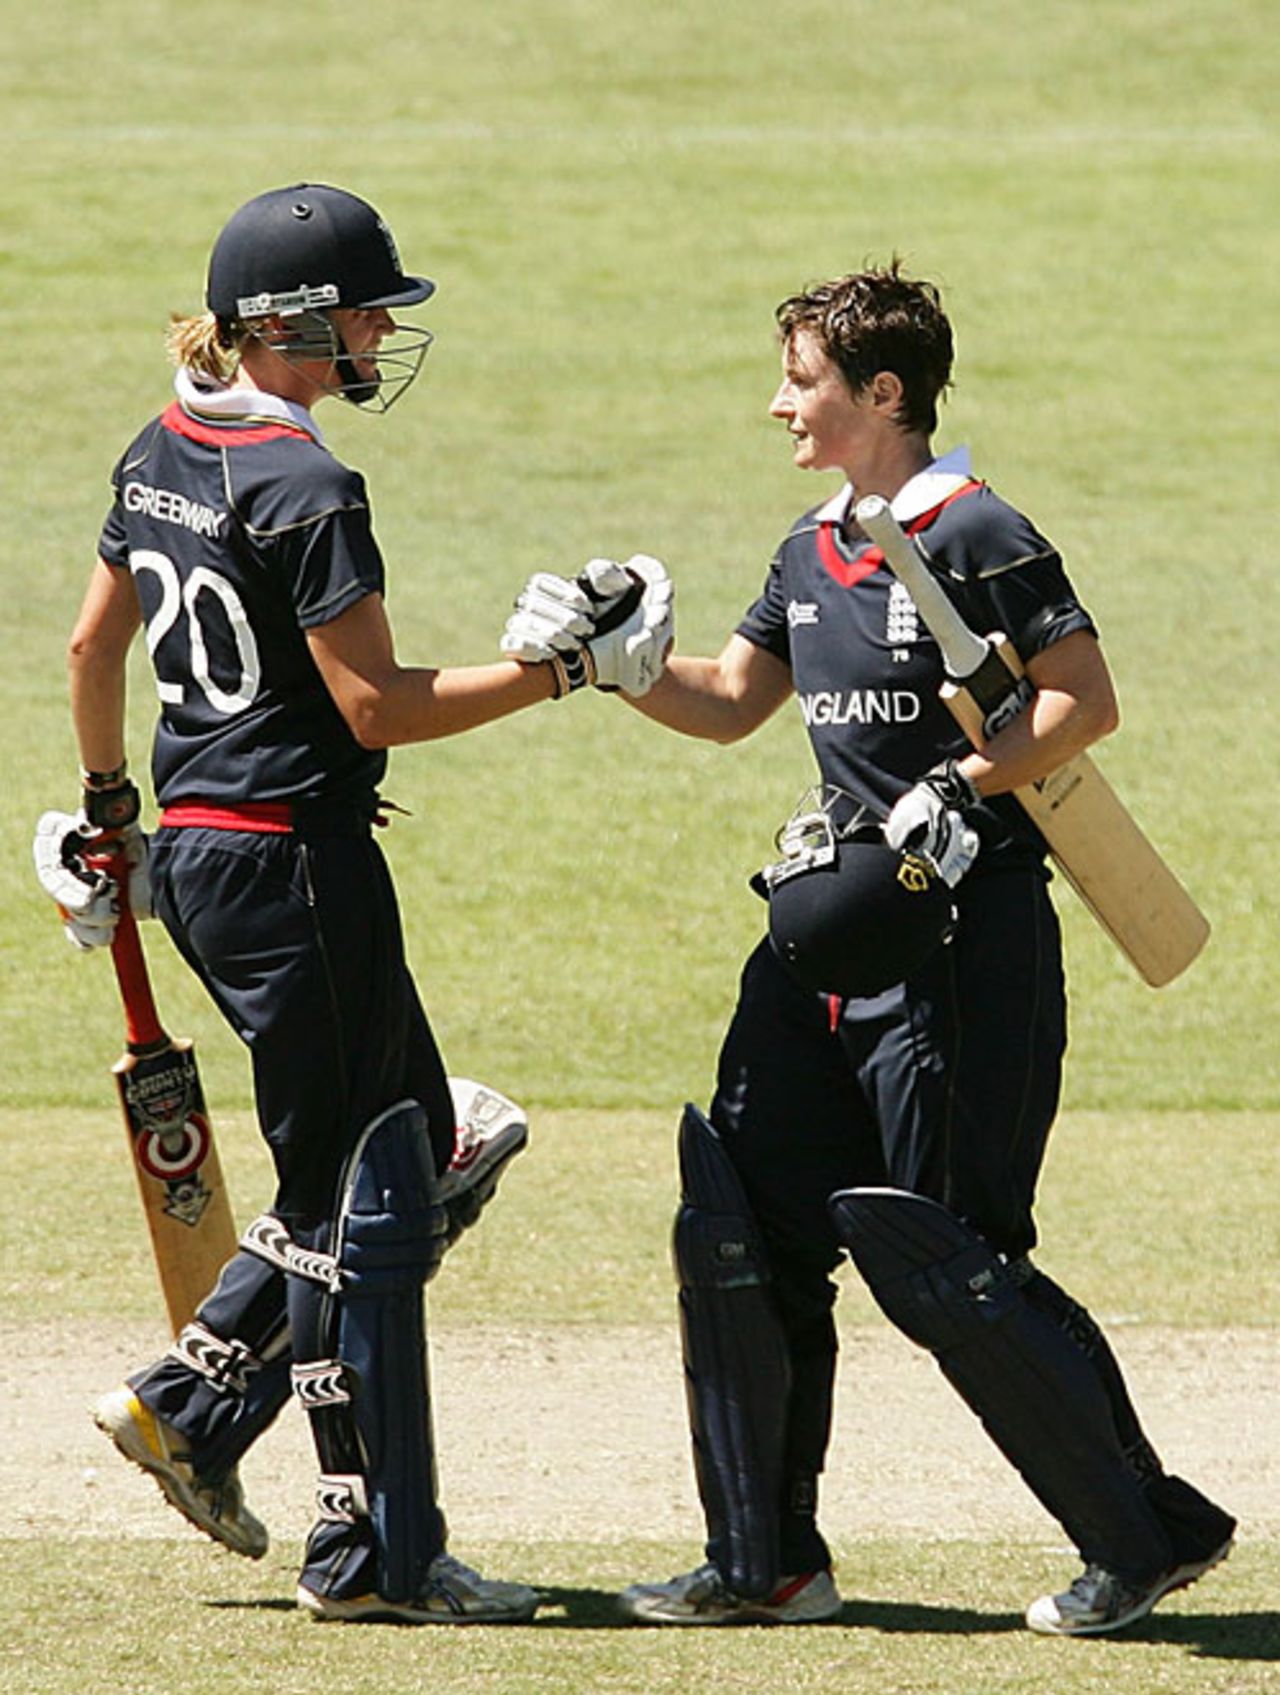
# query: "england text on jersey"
{"points": [[860, 706]]}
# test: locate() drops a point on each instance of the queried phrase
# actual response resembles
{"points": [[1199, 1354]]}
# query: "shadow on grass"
{"points": [[1210, 1636], [259, 1604], [597, 1609], [1213, 1636]]}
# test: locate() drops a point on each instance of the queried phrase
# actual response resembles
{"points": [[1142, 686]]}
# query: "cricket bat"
{"points": [[1094, 839], [175, 1159]]}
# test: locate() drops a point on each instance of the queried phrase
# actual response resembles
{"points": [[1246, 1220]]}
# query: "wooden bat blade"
{"points": [[1098, 845], [180, 1183], [1095, 840], [1107, 858], [1129, 888]]}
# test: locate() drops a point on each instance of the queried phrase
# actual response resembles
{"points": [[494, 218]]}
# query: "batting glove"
{"points": [[87, 897], [552, 616], [929, 820], [631, 655], [612, 626]]}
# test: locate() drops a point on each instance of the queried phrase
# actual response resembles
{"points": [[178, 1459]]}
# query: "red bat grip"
{"points": [[142, 1025]]}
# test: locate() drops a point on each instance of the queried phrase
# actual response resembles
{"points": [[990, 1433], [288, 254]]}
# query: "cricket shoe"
{"points": [[216, 1508], [490, 1131], [702, 1597], [455, 1594], [1098, 1601]]}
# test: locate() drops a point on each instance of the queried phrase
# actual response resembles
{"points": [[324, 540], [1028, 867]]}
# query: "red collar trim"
{"points": [[847, 571], [175, 417]]}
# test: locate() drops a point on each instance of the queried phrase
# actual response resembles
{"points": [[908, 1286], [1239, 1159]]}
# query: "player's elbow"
{"points": [[1076, 670], [371, 727], [366, 713], [91, 652], [1103, 711]]}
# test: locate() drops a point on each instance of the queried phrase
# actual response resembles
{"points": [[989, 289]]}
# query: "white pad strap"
{"points": [[321, 1383], [268, 1240], [226, 1364], [341, 1497]]}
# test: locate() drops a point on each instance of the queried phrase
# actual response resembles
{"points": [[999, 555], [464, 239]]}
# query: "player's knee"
{"points": [[392, 1230], [932, 1276], [715, 1241]]}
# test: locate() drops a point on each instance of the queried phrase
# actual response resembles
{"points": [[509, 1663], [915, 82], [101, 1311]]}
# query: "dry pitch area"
{"points": [[578, 1434]]}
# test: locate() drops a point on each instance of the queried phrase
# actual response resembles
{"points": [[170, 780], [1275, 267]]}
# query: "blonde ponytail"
{"points": [[204, 346]]}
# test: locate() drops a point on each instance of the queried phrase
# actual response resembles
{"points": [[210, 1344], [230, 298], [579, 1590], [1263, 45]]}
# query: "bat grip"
{"points": [[143, 1029]]}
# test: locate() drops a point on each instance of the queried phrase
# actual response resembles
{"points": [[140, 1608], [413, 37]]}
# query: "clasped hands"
{"points": [[611, 626]]}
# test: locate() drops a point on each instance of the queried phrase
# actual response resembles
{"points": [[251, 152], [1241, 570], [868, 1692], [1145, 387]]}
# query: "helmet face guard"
{"points": [[294, 255], [307, 337], [808, 838]]}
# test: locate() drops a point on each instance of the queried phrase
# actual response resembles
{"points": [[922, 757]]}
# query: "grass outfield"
{"points": [[612, 204], [1156, 1220], [612, 201], [919, 1619]]}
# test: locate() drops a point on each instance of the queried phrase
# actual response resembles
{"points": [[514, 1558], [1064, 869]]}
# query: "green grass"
{"points": [[1153, 1219], [612, 201], [612, 204], [920, 1619]]}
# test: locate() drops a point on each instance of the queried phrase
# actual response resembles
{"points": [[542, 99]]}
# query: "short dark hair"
{"points": [[880, 320]]}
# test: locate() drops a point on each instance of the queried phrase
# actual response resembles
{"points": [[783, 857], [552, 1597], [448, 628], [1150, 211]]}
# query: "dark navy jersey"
{"points": [[243, 532], [867, 672]]}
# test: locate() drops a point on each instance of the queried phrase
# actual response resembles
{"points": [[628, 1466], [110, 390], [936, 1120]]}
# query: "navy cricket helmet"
{"points": [[306, 249], [848, 914]]}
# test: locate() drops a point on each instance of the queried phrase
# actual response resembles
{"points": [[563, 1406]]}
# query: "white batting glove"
{"points": [[929, 820], [559, 621], [86, 897], [552, 616], [631, 656]]}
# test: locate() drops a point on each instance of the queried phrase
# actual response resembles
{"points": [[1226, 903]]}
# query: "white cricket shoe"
{"points": [[701, 1597], [455, 1594], [1098, 1601], [217, 1509]]}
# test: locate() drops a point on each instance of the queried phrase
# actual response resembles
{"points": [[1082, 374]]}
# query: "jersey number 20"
{"points": [[177, 598]]}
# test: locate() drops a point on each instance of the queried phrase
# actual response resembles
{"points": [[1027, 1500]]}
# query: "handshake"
{"points": [[611, 626]]}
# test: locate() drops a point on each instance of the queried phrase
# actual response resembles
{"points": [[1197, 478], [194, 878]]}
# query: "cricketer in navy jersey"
{"points": [[245, 551], [902, 1124], [866, 672], [242, 532]]}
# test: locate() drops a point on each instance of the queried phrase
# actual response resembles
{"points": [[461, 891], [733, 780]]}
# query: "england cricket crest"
{"points": [[902, 622]]}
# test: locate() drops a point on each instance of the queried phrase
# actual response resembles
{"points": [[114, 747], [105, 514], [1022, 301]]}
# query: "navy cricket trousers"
{"points": [[297, 938], [945, 1085]]}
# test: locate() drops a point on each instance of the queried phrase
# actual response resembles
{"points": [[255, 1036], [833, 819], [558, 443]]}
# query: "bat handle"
{"points": [[143, 1029]]}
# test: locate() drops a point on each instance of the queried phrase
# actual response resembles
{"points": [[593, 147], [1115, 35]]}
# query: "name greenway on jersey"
{"points": [[169, 507]]}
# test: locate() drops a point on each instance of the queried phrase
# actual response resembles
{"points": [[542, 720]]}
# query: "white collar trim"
{"points": [[251, 405], [918, 494]]}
